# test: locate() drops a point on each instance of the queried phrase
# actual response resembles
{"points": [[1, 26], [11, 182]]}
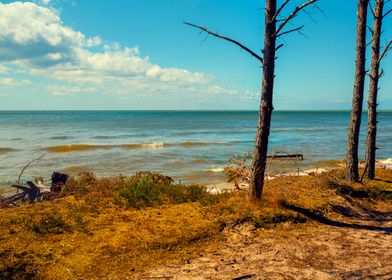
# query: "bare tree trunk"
{"points": [[272, 32], [356, 111], [265, 111], [373, 91]]}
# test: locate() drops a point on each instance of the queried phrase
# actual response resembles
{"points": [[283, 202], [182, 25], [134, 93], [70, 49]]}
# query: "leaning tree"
{"points": [[275, 28], [357, 101], [375, 74]]}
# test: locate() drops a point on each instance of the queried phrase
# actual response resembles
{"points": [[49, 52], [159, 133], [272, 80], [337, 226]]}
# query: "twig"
{"points": [[291, 30], [24, 168], [293, 15], [387, 13], [387, 48], [259, 58], [280, 9]]}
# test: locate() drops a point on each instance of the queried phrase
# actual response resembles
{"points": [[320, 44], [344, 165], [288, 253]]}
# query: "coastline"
{"points": [[223, 186]]}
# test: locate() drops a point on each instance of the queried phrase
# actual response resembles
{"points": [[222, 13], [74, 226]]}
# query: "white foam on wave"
{"points": [[153, 145], [216, 169]]}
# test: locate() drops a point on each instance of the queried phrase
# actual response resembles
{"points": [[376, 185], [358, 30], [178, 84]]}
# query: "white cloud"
{"points": [[251, 96], [34, 38], [10, 82], [3, 69], [7, 81]]}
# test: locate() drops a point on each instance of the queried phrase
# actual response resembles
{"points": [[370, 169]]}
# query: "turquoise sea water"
{"points": [[189, 146]]}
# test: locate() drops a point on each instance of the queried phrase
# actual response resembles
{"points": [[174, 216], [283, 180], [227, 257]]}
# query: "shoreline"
{"points": [[219, 187]]}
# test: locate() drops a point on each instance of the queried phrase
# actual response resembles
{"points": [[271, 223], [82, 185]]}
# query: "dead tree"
{"points": [[373, 88], [357, 102], [272, 32]]}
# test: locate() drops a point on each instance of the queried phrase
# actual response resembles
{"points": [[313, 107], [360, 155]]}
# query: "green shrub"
{"points": [[150, 190]]}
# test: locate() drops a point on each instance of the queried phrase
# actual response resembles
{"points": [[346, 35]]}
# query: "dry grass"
{"points": [[118, 225]]}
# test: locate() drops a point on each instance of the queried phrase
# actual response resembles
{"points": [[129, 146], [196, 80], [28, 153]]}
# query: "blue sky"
{"points": [[137, 54]]}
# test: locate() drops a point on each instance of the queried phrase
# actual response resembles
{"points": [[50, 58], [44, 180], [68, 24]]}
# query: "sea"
{"points": [[189, 146]]}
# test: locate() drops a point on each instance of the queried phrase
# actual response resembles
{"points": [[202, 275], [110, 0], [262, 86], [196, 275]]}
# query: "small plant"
{"points": [[50, 223], [238, 170]]}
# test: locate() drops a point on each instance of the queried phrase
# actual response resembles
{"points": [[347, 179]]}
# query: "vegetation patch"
{"points": [[104, 227]]}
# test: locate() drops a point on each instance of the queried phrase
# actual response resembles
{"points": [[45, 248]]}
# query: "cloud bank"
{"points": [[35, 40]]}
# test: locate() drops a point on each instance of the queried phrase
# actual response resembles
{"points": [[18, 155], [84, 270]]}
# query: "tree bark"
{"points": [[356, 111], [373, 91], [265, 110]]}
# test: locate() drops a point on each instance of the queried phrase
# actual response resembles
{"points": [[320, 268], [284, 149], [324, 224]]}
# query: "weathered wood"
{"points": [[299, 156], [32, 192], [271, 34], [58, 180], [259, 159], [357, 102], [373, 92]]}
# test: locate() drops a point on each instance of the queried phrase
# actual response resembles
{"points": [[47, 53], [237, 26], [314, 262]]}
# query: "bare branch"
{"points": [[278, 11], [24, 168], [372, 10], [387, 13], [259, 58], [387, 48], [290, 31], [294, 14], [368, 44], [278, 47]]}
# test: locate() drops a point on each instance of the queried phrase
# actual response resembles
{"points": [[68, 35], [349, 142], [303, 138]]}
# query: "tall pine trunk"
{"points": [[373, 90], [356, 111], [266, 107]]}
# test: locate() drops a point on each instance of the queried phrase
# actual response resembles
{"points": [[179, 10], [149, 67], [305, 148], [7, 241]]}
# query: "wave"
{"points": [[194, 144], [5, 150], [216, 169], [153, 145], [144, 145], [75, 148]]}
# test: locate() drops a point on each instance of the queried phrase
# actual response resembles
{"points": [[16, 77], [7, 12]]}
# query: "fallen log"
{"points": [[32, 191], [286, 155]]}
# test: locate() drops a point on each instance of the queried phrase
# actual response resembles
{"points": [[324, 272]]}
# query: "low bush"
{"points": [[151, 189]]}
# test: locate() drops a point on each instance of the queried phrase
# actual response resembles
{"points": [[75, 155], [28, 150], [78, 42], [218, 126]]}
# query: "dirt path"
{"points": [[352, 249]]}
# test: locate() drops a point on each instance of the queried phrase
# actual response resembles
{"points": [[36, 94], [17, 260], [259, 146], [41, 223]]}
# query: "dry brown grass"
{"points": [[94, 231]]}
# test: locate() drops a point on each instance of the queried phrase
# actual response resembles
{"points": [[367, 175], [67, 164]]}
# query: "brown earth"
{"points": [[312, 227]]}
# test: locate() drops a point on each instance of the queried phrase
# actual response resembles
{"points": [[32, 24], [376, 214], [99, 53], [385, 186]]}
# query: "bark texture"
{"points": [[373, 91], [356, 111], [265, 111]]}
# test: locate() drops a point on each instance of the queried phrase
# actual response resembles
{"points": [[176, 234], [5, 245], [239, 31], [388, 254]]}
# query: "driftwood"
{"points": [[286, 155], [25, 167], [31, 192]]}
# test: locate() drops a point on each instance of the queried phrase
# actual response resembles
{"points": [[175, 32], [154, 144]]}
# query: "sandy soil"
{"points": [[358, 247]]}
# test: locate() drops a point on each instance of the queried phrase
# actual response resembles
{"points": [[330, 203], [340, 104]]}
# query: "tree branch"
{"points": [[290, 31], [278, 47], [259, 58], [370, 29], [387, 13], [24, 168], [278, 11], [387, 48], [372, 10], [294, 14]]}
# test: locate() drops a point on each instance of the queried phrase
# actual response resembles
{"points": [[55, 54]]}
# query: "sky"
{"points": [[138, 55]]}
